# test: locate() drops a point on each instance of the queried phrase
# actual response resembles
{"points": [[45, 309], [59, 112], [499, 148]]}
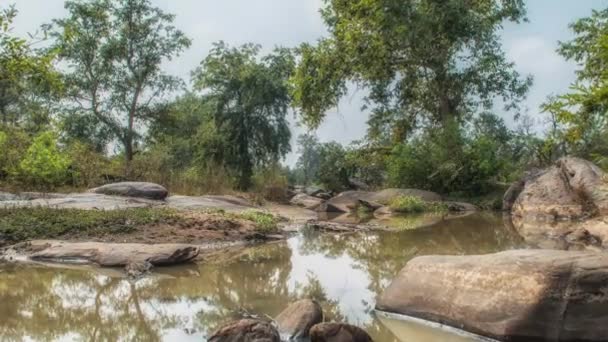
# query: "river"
{"points": [[345, 273]]}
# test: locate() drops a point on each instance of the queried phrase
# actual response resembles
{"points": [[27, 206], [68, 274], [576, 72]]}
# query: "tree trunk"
{"points": [[128, 144]]}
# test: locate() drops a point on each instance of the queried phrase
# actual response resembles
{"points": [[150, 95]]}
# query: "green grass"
{"points": [[414, 204], [264, 222], [19, 224]]}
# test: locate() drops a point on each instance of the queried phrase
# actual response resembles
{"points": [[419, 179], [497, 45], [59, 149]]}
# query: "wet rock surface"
{"points": [[338, 332], [246, 330], [295, 321], [524, 295], [133, 189]]}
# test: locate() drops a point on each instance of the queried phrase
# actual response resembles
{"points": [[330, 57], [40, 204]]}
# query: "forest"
{"points": [[85, 101]]}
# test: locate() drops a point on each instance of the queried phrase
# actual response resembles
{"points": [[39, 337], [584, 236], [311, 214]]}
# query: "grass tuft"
{"points": [[414, 204]]}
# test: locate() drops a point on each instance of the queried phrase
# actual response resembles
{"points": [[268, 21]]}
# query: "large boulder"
{"points": [[295, 321], [133, 189], [246, 330], [572, 188], [345, 202], [306, 201], [523, 295], [338, 332]]}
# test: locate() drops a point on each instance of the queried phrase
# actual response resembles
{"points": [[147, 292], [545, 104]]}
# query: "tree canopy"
{"points": [[423, 62], [114, 50], [251, 99]]}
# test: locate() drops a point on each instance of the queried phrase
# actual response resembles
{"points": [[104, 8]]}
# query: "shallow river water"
{"points": [[344, 273]]}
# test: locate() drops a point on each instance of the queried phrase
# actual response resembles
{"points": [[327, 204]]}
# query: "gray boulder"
{"points": [[295, 321], [133, 189], [305, 201], [523, 295]]}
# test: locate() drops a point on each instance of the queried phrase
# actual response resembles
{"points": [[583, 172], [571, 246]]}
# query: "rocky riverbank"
{"points": [[552, 292]]}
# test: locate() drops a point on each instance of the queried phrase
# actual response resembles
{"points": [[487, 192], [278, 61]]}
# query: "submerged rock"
{"points": [[133, 189], [338, 332], [524, 295], [295, 321], [246, 330]]}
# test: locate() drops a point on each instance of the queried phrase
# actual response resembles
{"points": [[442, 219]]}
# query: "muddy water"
{"points": [[345, 273]]}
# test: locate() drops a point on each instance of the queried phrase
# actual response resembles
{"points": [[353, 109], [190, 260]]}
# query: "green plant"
{"points": [[264, 222], [414, 204], [43, 164], [19, 224]]}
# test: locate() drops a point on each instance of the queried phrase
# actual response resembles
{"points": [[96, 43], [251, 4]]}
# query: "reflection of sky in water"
{"points": [[184, 305], [341, 281]]}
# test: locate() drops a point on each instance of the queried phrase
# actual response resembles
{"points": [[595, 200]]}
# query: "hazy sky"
{"points": [[289, 22]]}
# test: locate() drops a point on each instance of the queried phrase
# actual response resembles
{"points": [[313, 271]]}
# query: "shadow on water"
{"points": [[344, 272]]}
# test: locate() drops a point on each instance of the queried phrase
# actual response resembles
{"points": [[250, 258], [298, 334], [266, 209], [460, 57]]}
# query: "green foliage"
{"points": [[27, 76], [423, 62], [86, 165], [43, 165], [251, 99], [114, 50], [582, 112], [264, 222], [19, 224], [413, 204]]}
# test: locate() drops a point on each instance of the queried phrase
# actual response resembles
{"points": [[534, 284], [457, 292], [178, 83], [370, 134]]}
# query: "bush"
{"points": [[264, 222], [43, 165], [414, 204]]}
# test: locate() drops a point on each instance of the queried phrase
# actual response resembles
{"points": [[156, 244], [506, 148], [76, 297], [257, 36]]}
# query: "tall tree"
{"points": [[584, 110], [114, 50], [24, 72], [252, 98], [309, 160], [425, 62]]}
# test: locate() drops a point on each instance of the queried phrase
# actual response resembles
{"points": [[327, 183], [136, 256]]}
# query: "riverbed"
{"points": [[344, 272]]}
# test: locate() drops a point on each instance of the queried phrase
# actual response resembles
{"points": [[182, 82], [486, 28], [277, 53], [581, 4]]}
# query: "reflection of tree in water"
{"points": [[49, 303]]}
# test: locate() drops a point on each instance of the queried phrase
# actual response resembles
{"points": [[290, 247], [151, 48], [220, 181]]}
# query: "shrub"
{"points": [[414, 204], [43, 165], [264, 222]]}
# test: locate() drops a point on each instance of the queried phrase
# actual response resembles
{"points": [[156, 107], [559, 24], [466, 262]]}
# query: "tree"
{"points": [[424, 62], [309, 160], [584, 111], [251, 100], [24, 72], [114, 50]]}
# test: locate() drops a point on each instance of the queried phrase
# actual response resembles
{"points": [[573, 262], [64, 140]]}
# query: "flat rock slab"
{"points": [[111, 254], [85, 201], [227, 203], [523, 295]]}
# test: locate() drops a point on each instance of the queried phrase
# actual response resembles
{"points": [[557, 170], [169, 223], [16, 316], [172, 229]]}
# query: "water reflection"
{"points": [[344, 272]]}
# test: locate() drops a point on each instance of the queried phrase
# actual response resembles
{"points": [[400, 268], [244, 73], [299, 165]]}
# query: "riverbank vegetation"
{"points": [[92, 104]]}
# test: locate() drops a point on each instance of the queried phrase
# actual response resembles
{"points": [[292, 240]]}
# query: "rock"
{"points": [[358, 185], [461, 206], [305, 201], [314, 190], [573, 188], [296, 321], [345, 202], [246, 330], [133, 189], [111, 254], [338, 332], [323, 195], [6, 196], [86, 201], [522, 295], [369, 205], [387, 195], [225, 202]]}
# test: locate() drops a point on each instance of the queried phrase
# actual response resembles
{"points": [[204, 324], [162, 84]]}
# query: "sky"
{"points": [[531, 46]]}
